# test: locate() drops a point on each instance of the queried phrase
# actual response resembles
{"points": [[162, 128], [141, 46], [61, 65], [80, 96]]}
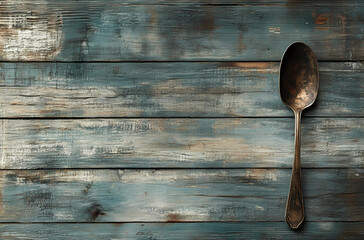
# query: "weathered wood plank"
{"points": [[176, 195], [182, 231], [67, 5], [78, 30], [236, 89], [176, 143]]}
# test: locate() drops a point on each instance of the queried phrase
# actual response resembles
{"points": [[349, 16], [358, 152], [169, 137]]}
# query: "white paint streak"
{"points": [[30, 33], [90, 151], [3, 152], [272, 176], [61, 215], [262, 174], [84, 176], [259, 208], [67, 151], [354, 66], [275, 30], [326, 226], [151, 176]]}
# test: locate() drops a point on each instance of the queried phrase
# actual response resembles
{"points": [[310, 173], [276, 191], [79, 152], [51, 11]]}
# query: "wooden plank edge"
{"points": [[276, 230]]}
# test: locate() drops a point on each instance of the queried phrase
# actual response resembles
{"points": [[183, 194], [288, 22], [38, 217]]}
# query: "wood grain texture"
{"points": [[180, 89], [176, 195], [78, 30], [179, 143], [182, 231], [98, 3]]}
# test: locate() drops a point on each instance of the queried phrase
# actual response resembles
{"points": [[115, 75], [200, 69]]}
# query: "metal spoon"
{"points": [[298, 87]]}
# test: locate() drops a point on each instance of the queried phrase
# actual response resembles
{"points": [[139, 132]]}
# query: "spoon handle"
{"points": [[294, 209]]}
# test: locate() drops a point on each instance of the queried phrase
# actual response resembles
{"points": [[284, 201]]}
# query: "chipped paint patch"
{"points": [[261, 174], [89, 151], [3, 132], [354, 66], [275, 30], [259, 208], [29, 33], [326, 226]]}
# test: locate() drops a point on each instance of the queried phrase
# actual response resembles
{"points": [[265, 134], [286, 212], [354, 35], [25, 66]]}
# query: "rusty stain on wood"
{"points": [[321, 19], [173, 217], [260, 67]]}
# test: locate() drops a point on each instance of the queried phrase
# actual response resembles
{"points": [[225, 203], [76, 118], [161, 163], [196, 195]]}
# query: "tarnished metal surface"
{"points": [[298, 77], [298, 84]]}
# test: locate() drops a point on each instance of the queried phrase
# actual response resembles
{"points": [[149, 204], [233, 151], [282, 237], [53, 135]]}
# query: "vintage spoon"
{"points": [[298, 87]]}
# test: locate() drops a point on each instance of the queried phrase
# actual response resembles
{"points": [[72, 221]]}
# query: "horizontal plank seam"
{"points": [[170, 222], [194, 3], [218, 117], [218, 4], [176, 61], [175, 169]]}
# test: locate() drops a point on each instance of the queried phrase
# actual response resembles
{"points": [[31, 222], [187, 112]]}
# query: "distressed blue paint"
{"points": [[169, 90], [176, 143], [182, 231], [176, 195], [251, 32]]}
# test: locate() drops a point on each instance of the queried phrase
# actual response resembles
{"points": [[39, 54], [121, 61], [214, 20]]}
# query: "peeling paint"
{"points": [[259, 208], [276, 30], [326, 226], [3, 133], [33, 32]]}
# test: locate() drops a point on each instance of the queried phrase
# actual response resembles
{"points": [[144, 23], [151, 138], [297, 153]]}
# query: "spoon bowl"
{"points": [[299, 77], [298, 87]]}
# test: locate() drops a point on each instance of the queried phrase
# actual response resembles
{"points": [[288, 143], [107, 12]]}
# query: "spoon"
{"points": [[298, 87]]}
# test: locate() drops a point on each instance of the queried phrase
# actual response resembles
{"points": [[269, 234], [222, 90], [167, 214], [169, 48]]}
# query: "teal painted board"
{"points": [[78, 31], [165, 89], [98, 4], [180, 143], [250, 195], [182, 231]]}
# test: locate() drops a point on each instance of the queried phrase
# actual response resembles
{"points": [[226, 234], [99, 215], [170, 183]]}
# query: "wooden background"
{"points": [[139, 119]]}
